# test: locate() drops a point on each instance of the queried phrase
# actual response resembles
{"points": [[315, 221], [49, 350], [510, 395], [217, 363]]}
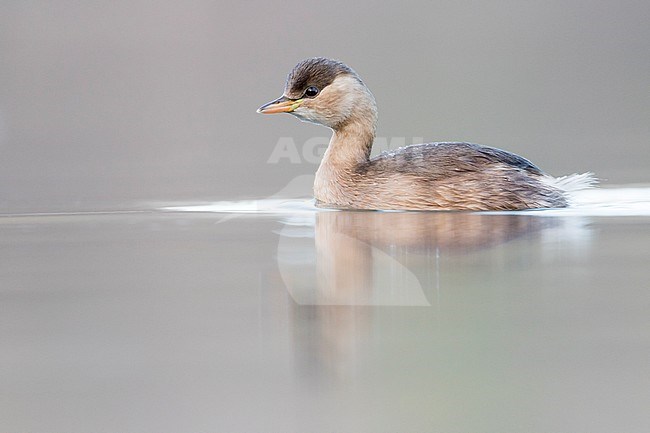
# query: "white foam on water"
{"points": [[619, 201], [267, 206]]}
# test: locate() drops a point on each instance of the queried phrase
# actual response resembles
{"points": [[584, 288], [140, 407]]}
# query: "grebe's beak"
{"points": [[280, 105]]}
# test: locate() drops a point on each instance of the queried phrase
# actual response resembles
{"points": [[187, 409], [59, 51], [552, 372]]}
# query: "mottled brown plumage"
{"points": [[432, 176]]}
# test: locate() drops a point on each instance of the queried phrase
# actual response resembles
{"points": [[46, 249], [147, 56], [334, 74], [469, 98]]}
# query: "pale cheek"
{"points": [[312, 115], [307, 115], [330, 108]]}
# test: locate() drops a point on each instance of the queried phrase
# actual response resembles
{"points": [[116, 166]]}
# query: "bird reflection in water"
{"points": [[351, 262], [386, 258]]}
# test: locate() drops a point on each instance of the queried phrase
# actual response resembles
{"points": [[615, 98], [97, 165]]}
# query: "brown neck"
{"points": [[352, 139], [350, 144], [349, 147]]}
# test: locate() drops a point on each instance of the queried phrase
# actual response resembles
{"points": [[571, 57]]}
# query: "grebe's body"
{"points": [[433, 176]]}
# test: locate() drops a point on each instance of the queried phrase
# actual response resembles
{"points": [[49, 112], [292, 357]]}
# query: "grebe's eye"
{"points": [[311, 91]]}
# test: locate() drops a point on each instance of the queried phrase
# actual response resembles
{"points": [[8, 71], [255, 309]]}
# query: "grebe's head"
{"points": [[326, 92]]}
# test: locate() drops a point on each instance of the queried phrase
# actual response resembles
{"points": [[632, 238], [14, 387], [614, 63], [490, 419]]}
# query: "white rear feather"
{"points": [[573, 182]]}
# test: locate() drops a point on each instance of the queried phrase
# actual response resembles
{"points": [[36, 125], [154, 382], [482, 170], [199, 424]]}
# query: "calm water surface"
{"points": [[275, 317]]}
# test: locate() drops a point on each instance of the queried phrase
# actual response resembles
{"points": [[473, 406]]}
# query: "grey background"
{"points": [[187, 322], [117, 104]]}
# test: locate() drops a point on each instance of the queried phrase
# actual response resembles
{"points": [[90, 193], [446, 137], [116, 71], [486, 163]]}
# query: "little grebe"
{"points": [[432, 176]]}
